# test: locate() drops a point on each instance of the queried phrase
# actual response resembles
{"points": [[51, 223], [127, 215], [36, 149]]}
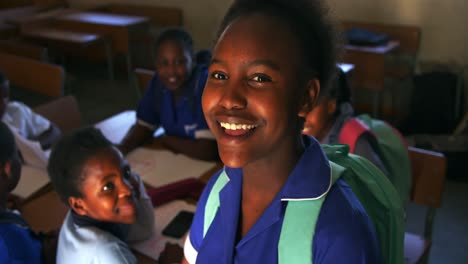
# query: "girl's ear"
{"points": [[77, 205], [331, 106], [6, 168], [310, 97]]}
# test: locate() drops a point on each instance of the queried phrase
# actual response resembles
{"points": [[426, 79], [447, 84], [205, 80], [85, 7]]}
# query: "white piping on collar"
{"points": [[313, 198]]}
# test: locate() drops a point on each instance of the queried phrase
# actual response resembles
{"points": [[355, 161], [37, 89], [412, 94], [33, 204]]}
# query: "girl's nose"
{"points": [[125, 189], [233, 95]]}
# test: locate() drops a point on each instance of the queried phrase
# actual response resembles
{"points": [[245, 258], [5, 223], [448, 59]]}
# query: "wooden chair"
{"points": [[24, 49], [39, 77], [63, 111], [143, 78], [429, 169]]}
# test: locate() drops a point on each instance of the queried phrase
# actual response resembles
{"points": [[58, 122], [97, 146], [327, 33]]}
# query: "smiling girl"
{"points": [[271, 60], [108, 203]]}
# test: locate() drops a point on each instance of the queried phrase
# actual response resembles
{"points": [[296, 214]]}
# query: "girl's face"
{"points": [[319, 121], [252, 98], [173, 64], [107, 192]]}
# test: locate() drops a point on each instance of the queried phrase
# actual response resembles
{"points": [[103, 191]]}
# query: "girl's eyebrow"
{"points": [[268, 63], [108, 177]]}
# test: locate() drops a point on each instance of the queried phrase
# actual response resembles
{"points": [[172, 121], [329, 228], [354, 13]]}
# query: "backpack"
{"points": [[389, 145], [375, 192]]}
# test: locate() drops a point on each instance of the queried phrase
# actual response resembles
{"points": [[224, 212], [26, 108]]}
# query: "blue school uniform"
{"points": [[18, 244], [183, 118], [344, 233]]}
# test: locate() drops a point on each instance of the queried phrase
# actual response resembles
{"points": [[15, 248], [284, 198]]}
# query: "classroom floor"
{"points": [[99, 98]]}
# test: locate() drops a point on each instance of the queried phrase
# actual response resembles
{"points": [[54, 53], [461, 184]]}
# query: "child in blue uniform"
{"points": [[108, 203], [173, 101], [18, 243], [271, 60]]}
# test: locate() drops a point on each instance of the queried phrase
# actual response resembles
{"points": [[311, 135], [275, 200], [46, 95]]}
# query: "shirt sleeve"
{"points": [[146, 110], [29, 124], [202, 127], [114, 252], [143, 228], [195, 237]]}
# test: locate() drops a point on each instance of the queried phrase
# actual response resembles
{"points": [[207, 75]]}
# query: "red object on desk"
{"points": [[188, 188]]}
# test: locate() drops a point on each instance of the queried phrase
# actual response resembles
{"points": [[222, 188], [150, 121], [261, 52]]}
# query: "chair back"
{"points": [[143, 78], [39, 77], [63, 111], [428, 169]]}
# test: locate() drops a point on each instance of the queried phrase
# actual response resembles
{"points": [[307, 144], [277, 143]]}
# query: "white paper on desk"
{"points": [[32, 179], [161, 167], [31, 151], [153, 246]]}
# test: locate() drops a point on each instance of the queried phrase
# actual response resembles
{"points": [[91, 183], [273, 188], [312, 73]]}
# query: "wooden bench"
{"points": [[24, 49], [39, 77]]}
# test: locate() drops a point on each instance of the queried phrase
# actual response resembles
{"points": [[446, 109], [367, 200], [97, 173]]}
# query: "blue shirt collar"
{"points": [[310, 179]]}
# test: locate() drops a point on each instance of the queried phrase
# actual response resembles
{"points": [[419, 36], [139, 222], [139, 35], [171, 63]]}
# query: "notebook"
{"points": [[158, 167]]}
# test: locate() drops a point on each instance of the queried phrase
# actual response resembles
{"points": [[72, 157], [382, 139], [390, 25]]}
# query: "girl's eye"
{"points": [[108, 187], [219, 76], [261, 78]]}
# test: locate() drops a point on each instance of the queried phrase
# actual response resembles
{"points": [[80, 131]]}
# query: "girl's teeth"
{"points": [[236, 126]]}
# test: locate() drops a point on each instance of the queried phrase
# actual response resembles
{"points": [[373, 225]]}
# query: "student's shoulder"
{"points": [[17, 107]]}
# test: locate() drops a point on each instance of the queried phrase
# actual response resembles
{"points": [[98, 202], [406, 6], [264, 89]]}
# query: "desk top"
{"points": [[381, 49], [104, 18], [62, 36]]}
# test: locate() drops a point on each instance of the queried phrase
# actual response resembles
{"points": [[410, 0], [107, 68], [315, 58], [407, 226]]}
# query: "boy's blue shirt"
{"points": [[184, 118], [344, 232]]}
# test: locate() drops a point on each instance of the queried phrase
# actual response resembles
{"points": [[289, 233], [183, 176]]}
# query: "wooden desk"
{"points": [[369, 70], [120, 28], [68, 41]]}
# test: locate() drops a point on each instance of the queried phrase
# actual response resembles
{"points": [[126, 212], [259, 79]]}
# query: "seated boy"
{"points": [[108, 203], [23, 120], [18, 243]]}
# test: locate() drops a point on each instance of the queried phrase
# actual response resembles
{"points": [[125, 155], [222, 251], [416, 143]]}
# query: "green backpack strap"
{"points": [[298, 229], [212, 203]]}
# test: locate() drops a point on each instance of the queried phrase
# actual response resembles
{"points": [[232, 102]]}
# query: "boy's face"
{"points": [[4, 97], [319, 121], [252, 98], [106, 189], [173, 64]]}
